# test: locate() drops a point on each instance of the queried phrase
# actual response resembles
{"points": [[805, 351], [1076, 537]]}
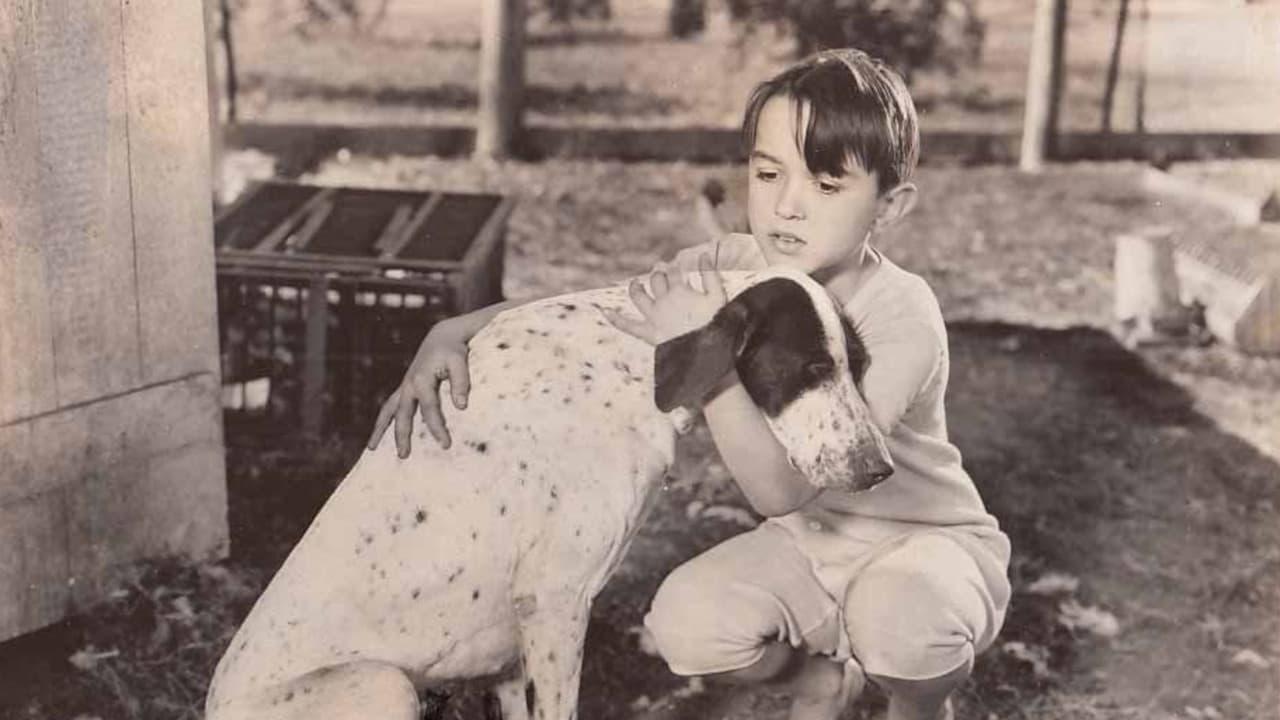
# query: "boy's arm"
{"points": [[899, 368], [441, 355], [754, 457]]}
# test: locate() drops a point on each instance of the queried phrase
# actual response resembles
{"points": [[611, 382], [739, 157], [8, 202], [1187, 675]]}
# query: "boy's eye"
{"points": [[766, 174], [827, 187]]}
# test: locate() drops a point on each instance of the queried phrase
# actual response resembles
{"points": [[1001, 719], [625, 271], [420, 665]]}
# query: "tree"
{"points": [[908, 34]]}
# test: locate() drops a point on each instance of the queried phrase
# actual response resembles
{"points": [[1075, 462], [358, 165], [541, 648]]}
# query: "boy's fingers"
{"points": [[429, 409], [435, 424], [459, 380], [660, 282], [634, 328], [712, 283], [385, 413], [404, 426], [639, 297]]}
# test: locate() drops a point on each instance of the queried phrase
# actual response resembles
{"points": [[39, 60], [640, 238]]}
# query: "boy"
{"points": [[904, 583]]}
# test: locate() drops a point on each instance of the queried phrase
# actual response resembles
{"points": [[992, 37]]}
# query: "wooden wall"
{"points": [[110, 427]]}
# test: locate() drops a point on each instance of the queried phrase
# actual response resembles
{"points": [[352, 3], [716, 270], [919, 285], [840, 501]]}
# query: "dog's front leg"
{"points": [[551, 642]]}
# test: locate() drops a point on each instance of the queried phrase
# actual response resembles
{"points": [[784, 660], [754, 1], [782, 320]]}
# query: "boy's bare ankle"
{"points": [[822, 688]]}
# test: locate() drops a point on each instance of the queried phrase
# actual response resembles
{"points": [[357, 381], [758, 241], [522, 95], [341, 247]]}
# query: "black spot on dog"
{"points": [[482, 447], [530, 696], [551, 657], [569, 306], [475, 595], [420, 516], [587, 363], [502, 510], [503, 346], [554, 494], [568, 400], [474, 535], [524, 465], [416, 593], [586, 377], [608, 403]]}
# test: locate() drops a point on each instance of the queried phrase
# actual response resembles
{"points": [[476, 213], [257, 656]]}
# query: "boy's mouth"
{"points": [[785, 241]]}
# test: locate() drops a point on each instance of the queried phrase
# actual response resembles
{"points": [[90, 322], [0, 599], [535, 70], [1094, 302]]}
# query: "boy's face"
{"points": [[815, 224]]}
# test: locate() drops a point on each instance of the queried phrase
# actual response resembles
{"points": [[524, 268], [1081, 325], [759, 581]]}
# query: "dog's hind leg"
{"points": [[351, 691], [511, 698], [551, 641]]}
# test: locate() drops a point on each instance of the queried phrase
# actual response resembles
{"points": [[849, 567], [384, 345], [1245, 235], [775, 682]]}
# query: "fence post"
{"points": [[501, 83], [1044, 83]]}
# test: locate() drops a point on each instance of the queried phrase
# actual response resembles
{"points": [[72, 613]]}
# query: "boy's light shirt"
{"points": [[898, 318]]}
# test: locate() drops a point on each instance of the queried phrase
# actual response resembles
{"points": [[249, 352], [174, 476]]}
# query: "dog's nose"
{"points": [[879, 471], [871, 471]]}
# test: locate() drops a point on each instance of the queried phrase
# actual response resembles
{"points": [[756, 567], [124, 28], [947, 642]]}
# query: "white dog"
{"points": [[483, 559]]}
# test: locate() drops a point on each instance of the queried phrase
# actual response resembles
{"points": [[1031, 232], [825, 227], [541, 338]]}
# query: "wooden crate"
{"points": [[326, 291], [1236, 276]]}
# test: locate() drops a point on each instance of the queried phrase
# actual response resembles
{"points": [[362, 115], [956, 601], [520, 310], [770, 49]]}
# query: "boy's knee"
{"points": [[906, 621], [703, 628]]}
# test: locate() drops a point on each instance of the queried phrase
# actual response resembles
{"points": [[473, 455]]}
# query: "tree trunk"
{"points": [[1113, 69], [1044, 84], [501, 77]]}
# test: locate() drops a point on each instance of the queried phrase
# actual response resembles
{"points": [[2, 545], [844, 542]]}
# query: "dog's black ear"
{"points": [[687, 367]]}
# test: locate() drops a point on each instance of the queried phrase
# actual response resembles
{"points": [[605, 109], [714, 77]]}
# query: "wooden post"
{"points": [[501, 77], [1044, 82], [317, 353], [110, 427]]}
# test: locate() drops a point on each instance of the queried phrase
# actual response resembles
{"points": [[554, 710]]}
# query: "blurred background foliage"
{"points": [[911, 35]]}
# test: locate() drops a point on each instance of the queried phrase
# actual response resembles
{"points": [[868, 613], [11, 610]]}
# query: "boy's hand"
{"points": [[674, 308], [442, 356]]}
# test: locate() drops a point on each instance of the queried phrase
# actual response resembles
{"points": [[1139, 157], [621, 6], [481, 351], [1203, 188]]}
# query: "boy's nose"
{"points": [[788, 206]]}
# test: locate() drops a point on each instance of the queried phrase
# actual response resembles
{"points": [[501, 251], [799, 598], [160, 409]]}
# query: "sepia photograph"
{"points": [[639, 359]]}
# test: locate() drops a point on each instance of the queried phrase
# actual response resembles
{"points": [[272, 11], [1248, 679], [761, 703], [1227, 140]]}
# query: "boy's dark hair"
{"points": [[858, 108]]}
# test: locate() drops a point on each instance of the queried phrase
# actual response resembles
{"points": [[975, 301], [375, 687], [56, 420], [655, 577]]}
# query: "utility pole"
{"points": [[501, 101], [1044, 84]]}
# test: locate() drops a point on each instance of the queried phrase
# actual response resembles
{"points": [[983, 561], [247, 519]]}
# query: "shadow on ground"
{"points": [[1097, 467]]}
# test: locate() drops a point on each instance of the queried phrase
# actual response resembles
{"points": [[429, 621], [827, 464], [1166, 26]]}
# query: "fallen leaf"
{"points": [[1035, 655], [1088, 618], [87, 658], [1053, 583], [728, 513], [1249, 658]]}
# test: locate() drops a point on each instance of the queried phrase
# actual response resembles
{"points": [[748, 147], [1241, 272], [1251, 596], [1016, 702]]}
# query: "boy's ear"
{"points": [[687, 367], [896, 204]]}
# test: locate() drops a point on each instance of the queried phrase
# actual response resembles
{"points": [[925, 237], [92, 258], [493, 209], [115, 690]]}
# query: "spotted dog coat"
{"points": [[483, 559]]}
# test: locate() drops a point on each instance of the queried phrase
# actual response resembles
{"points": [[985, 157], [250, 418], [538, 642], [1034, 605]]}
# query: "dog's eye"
{"points": [[819, 368]]}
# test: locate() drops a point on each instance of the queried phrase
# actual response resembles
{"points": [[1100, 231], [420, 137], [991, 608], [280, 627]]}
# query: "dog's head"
{"points": [[800, 362]]}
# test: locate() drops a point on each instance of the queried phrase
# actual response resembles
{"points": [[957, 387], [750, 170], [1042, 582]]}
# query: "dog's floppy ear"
{"points": [[687, 367]]}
